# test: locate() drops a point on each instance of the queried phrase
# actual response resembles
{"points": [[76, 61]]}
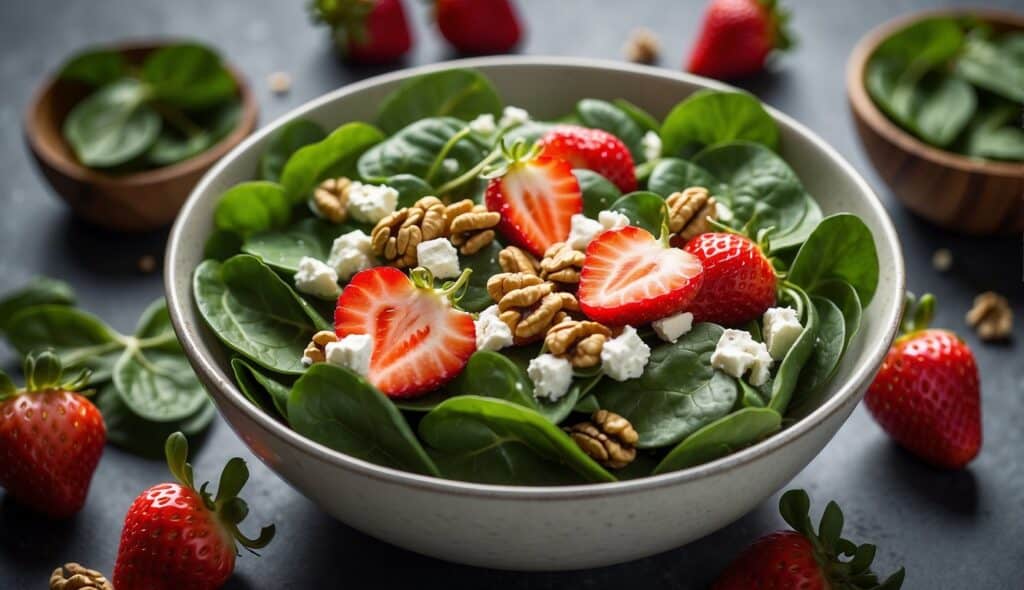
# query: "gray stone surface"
{"points": [[951, 530]]}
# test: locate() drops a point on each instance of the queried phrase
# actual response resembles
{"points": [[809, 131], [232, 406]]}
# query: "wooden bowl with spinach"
{"points": [[124, 133], [938, 99]]}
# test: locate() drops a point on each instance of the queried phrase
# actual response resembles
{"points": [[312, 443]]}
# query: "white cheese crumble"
{"points": [[737, 352], [352, 352], [491, 332], [625, 356], [483, 124], [316, 278], [671, 328], [369, 203], [781, 329], [612, 220], [551, 376], [723, 212], [351, 253], [513, 116], [651, 144], [582, 231], [438, 256]]}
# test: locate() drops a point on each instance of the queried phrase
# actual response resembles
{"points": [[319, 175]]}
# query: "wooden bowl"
{"points": [[969, 195], [136, 202]]}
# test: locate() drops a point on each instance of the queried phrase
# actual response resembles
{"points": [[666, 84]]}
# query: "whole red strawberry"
{"points": [[739, 280], [176, 536], [479, 26], [593, 149], [51, 438], [737, 36], [927, 395], [367, 31], [804, 559]]}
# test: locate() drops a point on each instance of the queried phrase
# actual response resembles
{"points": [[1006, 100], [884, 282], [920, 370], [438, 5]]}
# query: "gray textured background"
{"points": [[951, 530]]}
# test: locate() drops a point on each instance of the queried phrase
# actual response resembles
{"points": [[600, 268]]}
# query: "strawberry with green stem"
{"points": [[927, 394], [366, 31], [737, 36], [804, 558], [176, 536], [51, 437]]}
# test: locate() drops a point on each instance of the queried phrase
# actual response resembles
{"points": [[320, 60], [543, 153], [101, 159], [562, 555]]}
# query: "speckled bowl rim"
{"points": [[202, 361]]}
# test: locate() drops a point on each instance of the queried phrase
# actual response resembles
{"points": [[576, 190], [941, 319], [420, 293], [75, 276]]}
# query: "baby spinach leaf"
{"points": [[845, 297], [841, 247], [826, 352], [410, 188], [598, 192], [643, 208], [645, 120], [189, 76], [222, 244], [678, 393], [283, 249], [493, 375], [251, 207], [96, 68], [994, 134], [112, 125], [339, 409], [604, 115], [993, 65], [671, 175], [462, 94], [750, 396], [713, 117], [265, 392], [80, 339], [720, 438], [928, 42], [935, 107], [292, 137], [796, 236], [153, 376], [485, 265], [255, 313], [171, 147], [38, 291], [785, 379], [494, 441], [763, 190], [335, 155], [140, 436], [414, 149]]}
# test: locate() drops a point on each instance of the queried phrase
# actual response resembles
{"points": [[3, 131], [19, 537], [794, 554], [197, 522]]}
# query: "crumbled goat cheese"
{"points": [[612, 220], [352, 352], [582, 231], [781, 329], [625, 356], [737, 352], [651, 144], [316, 278], [491, 332], [351, 253], [514, 116], [722, 212], [484, 124], [671, 328], [369, 203], [551, 376], [438, 256]]}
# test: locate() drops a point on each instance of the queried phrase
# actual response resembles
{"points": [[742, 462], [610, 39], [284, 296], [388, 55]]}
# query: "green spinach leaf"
{"points": [[80, 339], [645, 120], [785, 380], [96, 68], [671, 175], [841, 247], [463, 94], [994, 66], [643, 208], [289, 139], [720, 438], [264, 391], [712, 117], [598, 192], [38, 291], [410, 188], [334, 156], [283, 249], [826, 352], [189, 76], [485, 265], [144, 437], [415, 148], [253, 206], [112, 125], [845, 297]]}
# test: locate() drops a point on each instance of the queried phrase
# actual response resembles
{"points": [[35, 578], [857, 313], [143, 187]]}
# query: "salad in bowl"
{"points": [[463, 291]]}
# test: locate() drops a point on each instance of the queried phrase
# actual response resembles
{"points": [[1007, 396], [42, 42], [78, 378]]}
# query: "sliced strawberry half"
{"points": [[631, 277], [420, 341], [593, 149], [536, 198]]}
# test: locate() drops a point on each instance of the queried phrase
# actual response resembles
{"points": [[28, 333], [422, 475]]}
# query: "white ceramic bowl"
{"points": [[527, 528]]}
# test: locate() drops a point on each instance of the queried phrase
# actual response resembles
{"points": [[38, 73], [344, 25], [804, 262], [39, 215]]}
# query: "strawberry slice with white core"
{"points": [[536, 198], [420, 341], [631, 277]]}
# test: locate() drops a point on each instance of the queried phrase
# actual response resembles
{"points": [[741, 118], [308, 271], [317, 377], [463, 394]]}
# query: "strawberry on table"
{"points": [[927, 395], [176, 536], [631, 277], [420, 341], [368, 31], [739, 280], [737, 36], [593, 149], [536, 197], [804, 559], [479, 26], [51, 438]]}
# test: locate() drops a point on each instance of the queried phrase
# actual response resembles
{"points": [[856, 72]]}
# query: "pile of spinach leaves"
{"points": [[954, 83], [486, 425]]}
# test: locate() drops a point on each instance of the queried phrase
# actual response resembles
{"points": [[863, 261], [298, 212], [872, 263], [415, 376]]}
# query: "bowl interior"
{"points": [[827, 176]]}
